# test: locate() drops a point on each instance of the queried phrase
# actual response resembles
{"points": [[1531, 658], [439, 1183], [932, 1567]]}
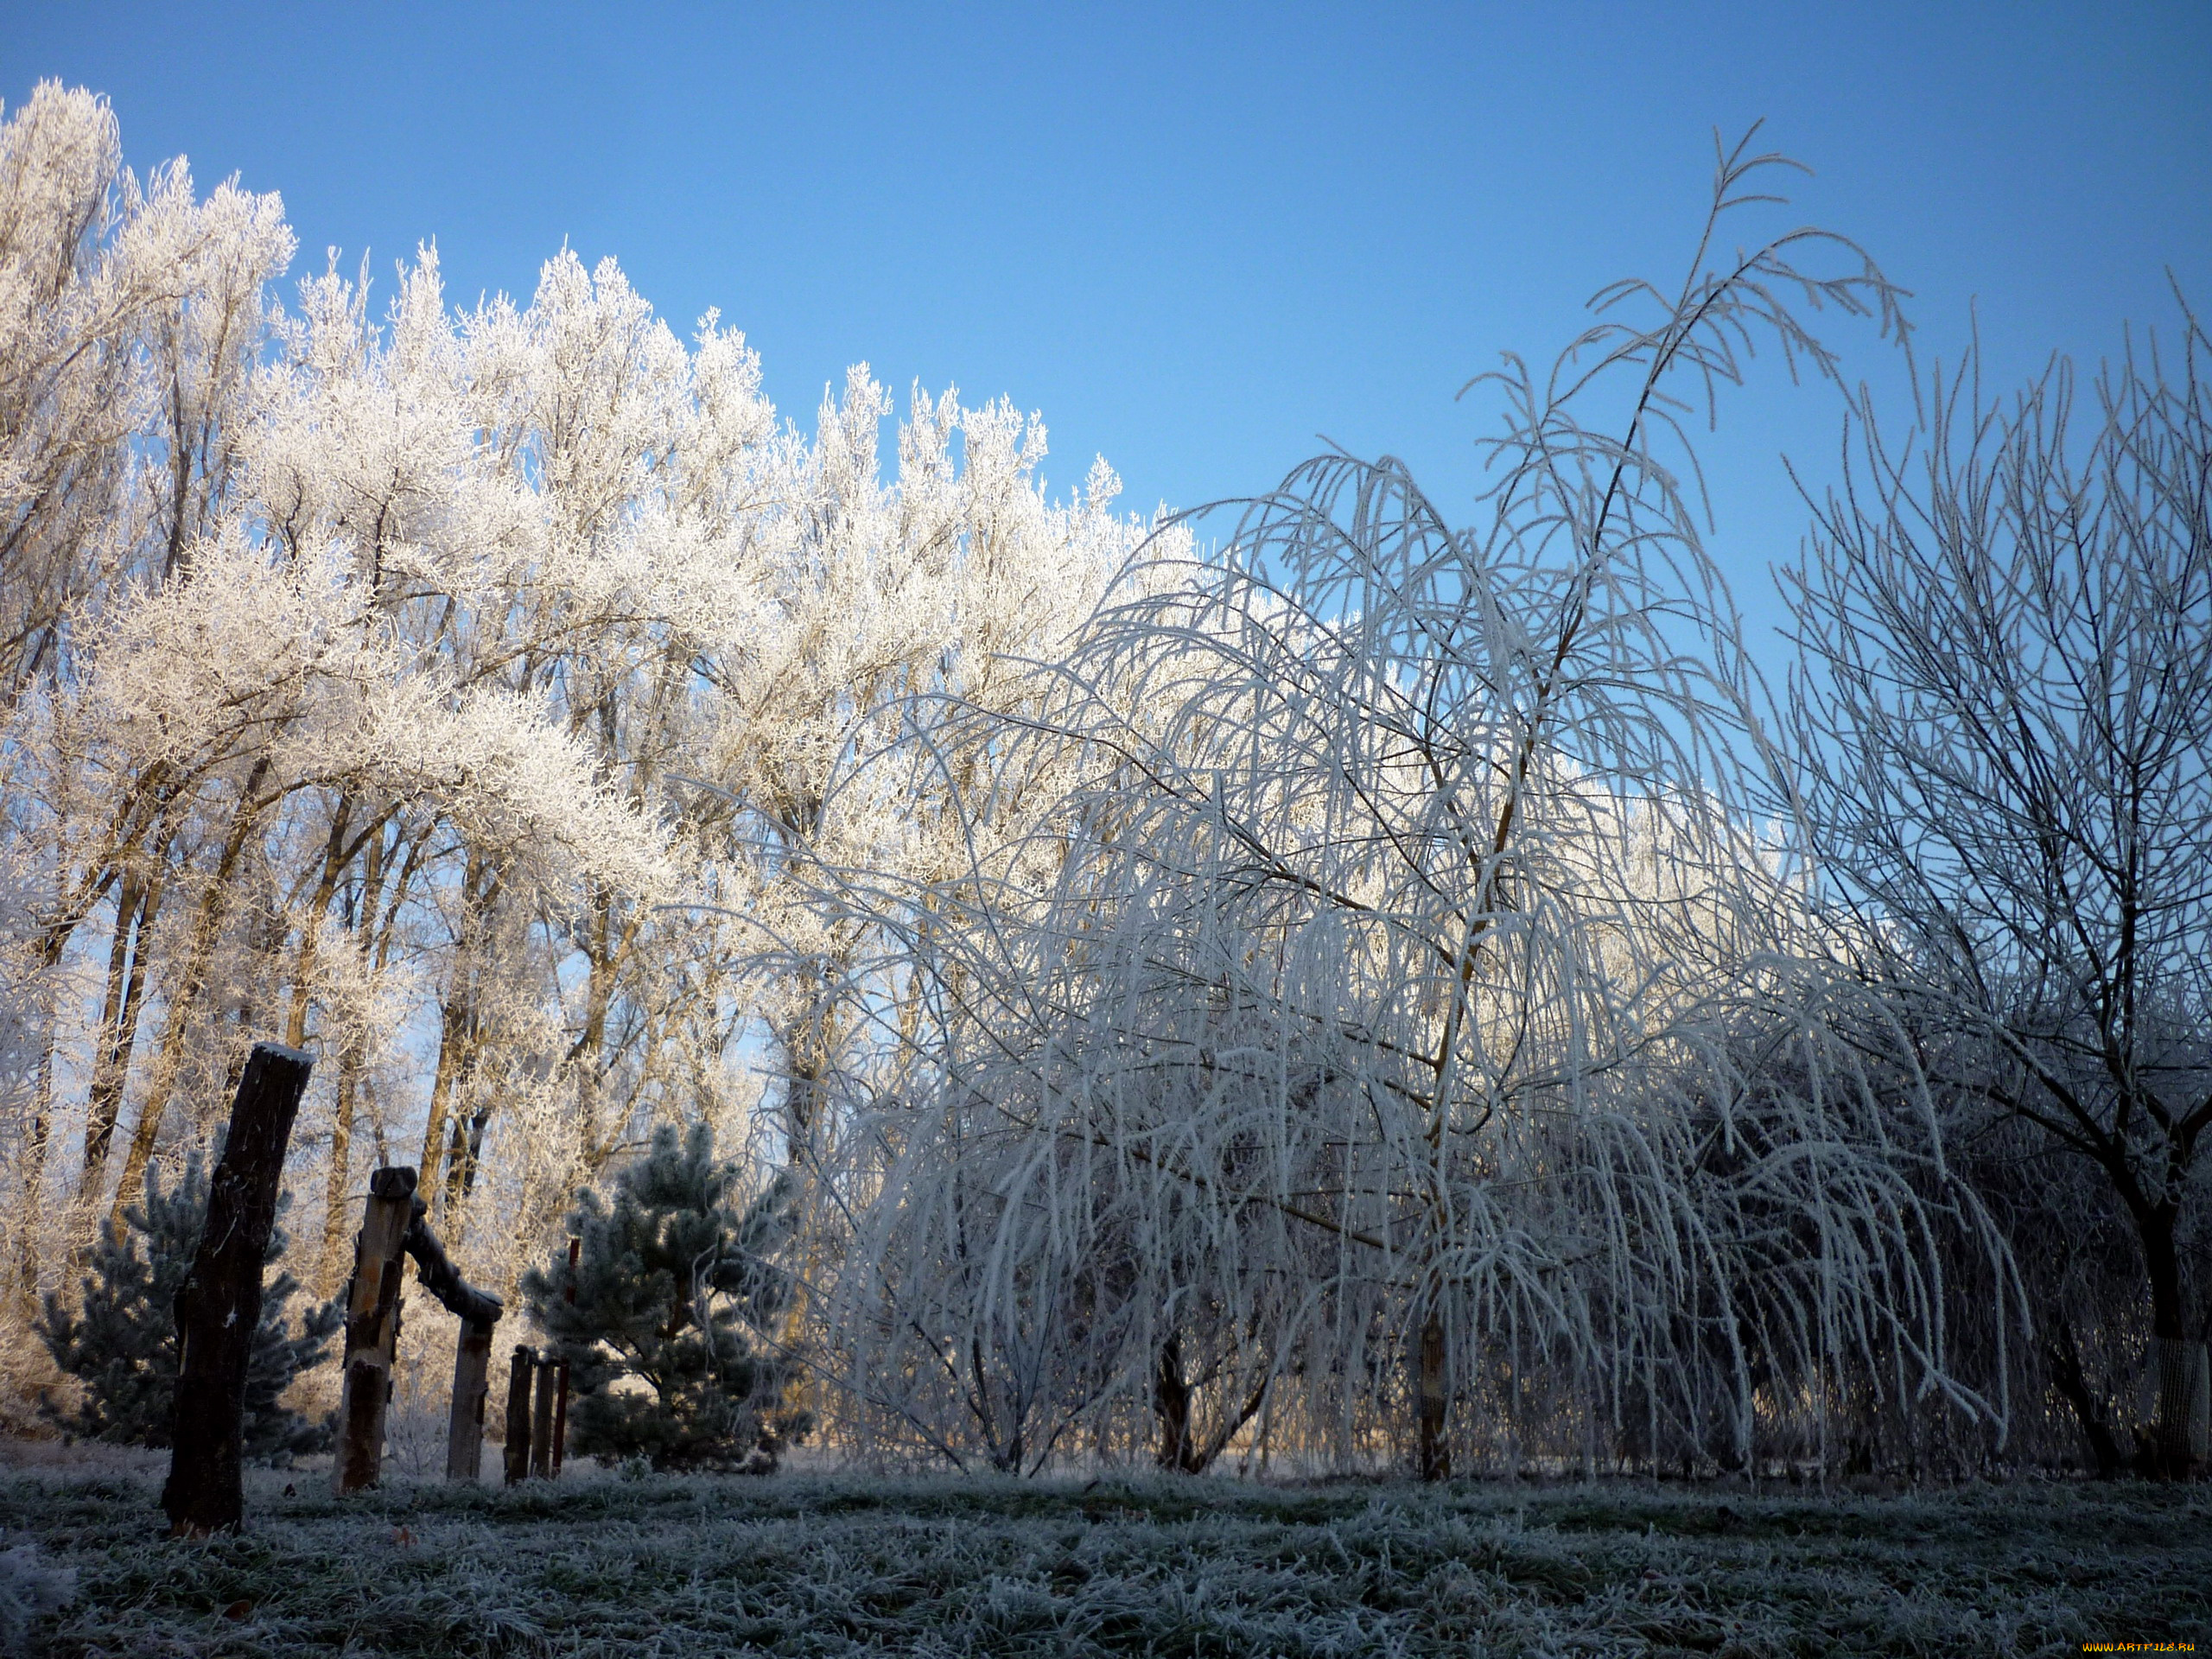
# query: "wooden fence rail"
{"points": [[395, 1224]]}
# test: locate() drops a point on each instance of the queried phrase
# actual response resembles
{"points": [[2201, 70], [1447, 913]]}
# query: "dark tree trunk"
{"points": [[2154, 1225], [1435, 1398], [2178, 1434], [1181, 1448], [1170, 1403], [2177, 1441], [2073, 1384], [219, 1305], [135, 913]]}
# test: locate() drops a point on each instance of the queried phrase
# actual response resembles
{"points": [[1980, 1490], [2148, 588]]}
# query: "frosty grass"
{"points": [[854, 1563]]}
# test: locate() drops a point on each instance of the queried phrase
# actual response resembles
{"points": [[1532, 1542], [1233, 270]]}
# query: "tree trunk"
{"points": [[465, 1157], [374, 945], [126, 985], [2180, 1429], [372, 1308], [2177, 1439], [184, 994], [454, 1041], [1171, 1404], [335, 857], [338, 1174], [34, 1170], [458, 1025], [2073, 1385], [1434, 1399], [219, 1305]]}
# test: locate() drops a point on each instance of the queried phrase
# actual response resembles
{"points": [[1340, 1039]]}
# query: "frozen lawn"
{"points": [[822, 1565]]}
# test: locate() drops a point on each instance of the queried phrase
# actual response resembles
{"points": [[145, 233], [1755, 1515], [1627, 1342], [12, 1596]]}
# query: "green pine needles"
{"points": [[672, 1297], [121, 1344]]}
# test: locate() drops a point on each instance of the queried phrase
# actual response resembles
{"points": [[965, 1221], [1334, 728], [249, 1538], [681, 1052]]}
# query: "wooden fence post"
{"points": [[561, 1400], [219, 1304], [472, 1366], [519, 1380], [478, 1311], [540, 1422], [560, 1416], [372, 1329]]}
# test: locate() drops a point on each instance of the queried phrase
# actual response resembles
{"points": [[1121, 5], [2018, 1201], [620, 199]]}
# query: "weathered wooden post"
{"points": [[372, 1329], [540, 1422], [478, 1311], [472, 1367], [520, 1373], [219, 1304], [559, 1414], [561, 1400]]}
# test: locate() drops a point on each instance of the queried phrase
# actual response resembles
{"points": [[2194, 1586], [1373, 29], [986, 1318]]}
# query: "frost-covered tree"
{"points": [[673, 1290], [1322, 997], [455, 691], [129, 322], [130, 315], [2003, 756], [1394, 1024]]}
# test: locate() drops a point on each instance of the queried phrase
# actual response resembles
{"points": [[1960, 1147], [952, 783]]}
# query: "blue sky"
{"points": [[1196, 237]]}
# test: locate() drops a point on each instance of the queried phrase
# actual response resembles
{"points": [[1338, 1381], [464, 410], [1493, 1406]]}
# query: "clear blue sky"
{"points": [[1197, 236]]}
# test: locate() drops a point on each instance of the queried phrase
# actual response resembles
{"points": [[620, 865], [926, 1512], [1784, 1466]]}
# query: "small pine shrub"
{"points": [[121, 1342], [672, 1275]]}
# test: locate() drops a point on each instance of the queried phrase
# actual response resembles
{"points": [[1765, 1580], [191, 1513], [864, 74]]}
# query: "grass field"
{"points": [[806, 1565]]}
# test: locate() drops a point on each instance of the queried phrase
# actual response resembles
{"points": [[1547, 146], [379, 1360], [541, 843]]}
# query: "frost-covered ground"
{"points": [[852, 1564]]}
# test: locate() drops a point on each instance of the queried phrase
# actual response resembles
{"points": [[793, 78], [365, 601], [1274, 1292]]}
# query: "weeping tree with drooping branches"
{"points": [[1395, 1038]]}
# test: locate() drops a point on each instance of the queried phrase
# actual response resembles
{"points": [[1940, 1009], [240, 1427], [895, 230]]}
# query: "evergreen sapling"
{"points": [[669, 1276], [121, 1342]]}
